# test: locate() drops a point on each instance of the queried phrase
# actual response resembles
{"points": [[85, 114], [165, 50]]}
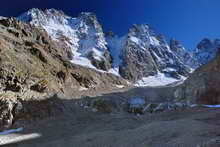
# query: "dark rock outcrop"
{"points": [[10, 109]]}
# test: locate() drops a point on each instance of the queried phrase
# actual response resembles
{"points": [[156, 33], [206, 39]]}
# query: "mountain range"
{"points": [[139, 54]]}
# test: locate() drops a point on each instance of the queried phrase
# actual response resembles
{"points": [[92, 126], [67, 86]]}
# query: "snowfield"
{"points": [[158, 80]]}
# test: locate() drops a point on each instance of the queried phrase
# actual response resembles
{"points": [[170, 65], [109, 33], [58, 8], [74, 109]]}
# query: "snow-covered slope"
{"points": [[157, 80], [1, 17]]}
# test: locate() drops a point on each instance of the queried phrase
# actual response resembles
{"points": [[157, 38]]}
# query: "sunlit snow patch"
{"points": [[207, 106], [85, 62], [154, 41], [158, 80], [120, 86], [15, 138], [83, 89], [114, 71], [134, 39], [212, 106]]}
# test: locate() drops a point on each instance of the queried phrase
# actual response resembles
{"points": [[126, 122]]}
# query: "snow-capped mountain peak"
{"points": [[146, 53], [83, 34], [142, 33], [206, 50], [39, 17]]}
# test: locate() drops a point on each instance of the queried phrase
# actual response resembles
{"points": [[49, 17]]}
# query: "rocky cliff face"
{"points": [[202, 87], [137, 61], [143, 53], [186, 57]]}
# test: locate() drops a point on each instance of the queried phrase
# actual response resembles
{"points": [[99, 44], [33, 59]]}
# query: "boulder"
{"points": [[9, 110], [40, 86]]}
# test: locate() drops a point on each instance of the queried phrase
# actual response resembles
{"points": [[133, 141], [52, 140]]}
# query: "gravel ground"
{"points": [[196, 127]]}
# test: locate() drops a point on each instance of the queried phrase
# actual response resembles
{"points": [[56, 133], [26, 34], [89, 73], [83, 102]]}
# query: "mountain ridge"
{"points": [[94, 49]]}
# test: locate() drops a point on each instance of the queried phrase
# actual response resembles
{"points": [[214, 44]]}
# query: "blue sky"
{"points": [[186, 20]]}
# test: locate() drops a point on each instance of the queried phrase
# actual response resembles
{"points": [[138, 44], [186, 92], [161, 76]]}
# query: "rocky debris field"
{"points": [[15, 111], [99, 118], [191, 127]]}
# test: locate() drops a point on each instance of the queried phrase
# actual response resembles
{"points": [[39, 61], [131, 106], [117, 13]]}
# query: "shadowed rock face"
{"points": [[203, 85], [137, 63]]}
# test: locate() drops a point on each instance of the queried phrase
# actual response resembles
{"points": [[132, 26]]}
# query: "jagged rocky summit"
{"points": [[84, 35], [206, 50]]}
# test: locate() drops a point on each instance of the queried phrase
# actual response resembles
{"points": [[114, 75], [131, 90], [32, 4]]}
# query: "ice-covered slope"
{"points": [[158, 80], [83, 34]]}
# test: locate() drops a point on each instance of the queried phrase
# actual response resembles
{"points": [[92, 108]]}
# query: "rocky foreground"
{"points": [[105, 124]]}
